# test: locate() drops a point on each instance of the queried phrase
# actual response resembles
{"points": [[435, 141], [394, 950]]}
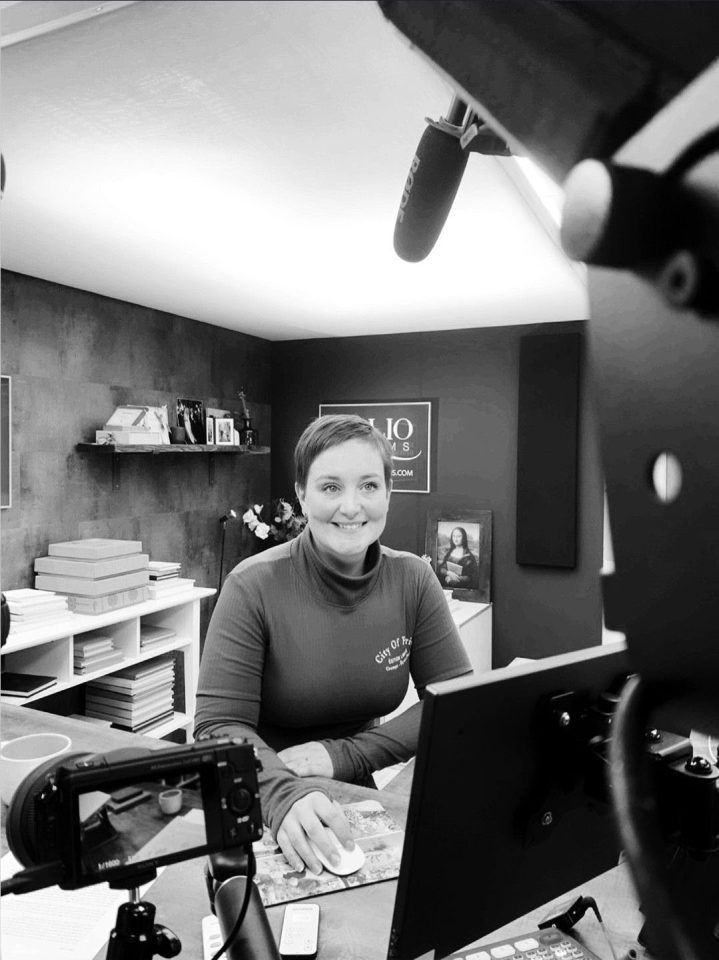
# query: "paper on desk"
{"points": [[72, 924]]}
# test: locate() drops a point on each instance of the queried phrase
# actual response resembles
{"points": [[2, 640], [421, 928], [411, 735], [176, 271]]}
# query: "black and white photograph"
{"points": [[460, 548], [224, 431], [191, 416], [359, 404]]}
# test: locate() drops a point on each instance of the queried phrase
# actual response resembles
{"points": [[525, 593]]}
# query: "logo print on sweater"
{"points": [[396, 654]]}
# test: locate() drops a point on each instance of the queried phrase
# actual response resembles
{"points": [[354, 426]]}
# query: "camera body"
{"points": [[74, 811]]}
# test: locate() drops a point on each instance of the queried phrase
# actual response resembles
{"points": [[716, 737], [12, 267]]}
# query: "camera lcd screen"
{"points": [[147, 820]]}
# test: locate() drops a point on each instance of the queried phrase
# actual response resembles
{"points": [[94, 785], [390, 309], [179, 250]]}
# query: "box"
{"points": [[94, 548], [131, 437]]}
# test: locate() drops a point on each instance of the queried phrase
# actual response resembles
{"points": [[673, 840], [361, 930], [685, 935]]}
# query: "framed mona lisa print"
{"points": [[459, 545]]}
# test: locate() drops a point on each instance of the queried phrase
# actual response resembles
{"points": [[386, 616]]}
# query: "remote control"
{"points": [[300, 928]]}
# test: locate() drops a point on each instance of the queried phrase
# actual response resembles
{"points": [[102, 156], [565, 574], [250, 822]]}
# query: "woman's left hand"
{"points": [[307, 760]]}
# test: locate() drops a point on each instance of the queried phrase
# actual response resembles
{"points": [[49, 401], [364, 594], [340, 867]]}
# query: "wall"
{"points": [[474, 374], [73, 357]]}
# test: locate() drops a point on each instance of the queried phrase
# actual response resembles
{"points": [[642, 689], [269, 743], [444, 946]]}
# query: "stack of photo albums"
{"points": [[96, 575], [165, 580], [136, 698], [94, 651]]}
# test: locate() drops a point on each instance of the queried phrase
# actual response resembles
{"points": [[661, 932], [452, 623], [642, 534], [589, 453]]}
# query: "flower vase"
{"points": [[248, 435]]}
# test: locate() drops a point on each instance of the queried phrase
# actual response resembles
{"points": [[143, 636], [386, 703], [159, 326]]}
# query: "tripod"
{"points": [[136, 936]]}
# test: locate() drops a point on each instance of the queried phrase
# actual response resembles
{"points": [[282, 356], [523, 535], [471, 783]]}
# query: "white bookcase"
{"points": [[49, 650]]}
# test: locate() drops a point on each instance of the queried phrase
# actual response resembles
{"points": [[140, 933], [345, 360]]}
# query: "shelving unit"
{"points": [[163, 450], [49, 649]]}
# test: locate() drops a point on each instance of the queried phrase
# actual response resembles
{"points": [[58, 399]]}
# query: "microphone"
{"points": [[434, 177]]}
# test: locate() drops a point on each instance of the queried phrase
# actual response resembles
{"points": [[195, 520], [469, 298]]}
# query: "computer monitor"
{"points": [[508, 808]]}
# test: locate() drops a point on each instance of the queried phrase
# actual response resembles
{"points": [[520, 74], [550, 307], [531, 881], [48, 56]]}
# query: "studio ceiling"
{"points": [[241, 163]]}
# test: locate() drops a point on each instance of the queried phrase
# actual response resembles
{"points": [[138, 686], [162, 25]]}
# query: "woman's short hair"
{"points": [[329, 431]]}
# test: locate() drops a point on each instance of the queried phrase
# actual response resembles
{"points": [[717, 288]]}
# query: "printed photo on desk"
{"points": [[459, 545]]}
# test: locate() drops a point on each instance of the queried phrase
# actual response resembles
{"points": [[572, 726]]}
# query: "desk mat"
{"points": [[373, 829]]}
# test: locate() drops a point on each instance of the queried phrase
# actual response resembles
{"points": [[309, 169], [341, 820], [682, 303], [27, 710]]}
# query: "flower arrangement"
{"points": [[286, 523]]}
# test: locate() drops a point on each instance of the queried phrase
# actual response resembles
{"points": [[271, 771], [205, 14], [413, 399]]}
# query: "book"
{"points": [[94, 548], [96, 688], [129, 707], [453, 567], [129, 724], [135, 436], [135, 688], [24, 684], [84, 587], [113, 601], [45, 612], [128, 679], [168, 588], [98, 663], [26, 597], [123, 713], [152, 634], [93, 644], [163, 566], [92, 569], [60, 619], [150, 724]]}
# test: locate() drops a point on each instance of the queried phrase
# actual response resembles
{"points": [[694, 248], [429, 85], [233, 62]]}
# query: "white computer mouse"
{"points": [[350, 861]]}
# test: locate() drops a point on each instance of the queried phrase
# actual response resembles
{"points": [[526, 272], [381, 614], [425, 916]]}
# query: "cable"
{"points": [[34, 878], [636, 813], [245, 903]]}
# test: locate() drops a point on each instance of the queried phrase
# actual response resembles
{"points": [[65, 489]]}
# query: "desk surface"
{"points": [[355, 923]]}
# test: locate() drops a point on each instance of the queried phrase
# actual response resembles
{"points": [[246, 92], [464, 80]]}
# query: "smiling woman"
{"points": [[314, 639]]}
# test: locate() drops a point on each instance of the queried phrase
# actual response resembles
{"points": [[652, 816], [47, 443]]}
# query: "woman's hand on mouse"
{"points": [[306, 819], [308, 760]]}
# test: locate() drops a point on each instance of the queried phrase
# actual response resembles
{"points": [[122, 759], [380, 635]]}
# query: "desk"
{"points": [[355, 924]]}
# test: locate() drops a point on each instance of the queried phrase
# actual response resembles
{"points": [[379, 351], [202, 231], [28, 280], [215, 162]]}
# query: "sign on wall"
{"points": [[407, 426]]}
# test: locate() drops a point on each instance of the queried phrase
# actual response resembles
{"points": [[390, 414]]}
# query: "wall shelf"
{"points": [[173, 449]]}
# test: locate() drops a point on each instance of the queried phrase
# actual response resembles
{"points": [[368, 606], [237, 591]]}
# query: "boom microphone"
{"points": [[434, 177]]}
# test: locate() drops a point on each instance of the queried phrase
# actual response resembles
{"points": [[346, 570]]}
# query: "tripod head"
{"points": [[135, 935]]}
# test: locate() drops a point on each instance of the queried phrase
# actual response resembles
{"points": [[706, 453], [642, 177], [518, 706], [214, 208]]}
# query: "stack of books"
{"points": [[24, 684], [151, 636], [136, 698], [95, 651], [30, 609], [165, 580], [96, 575]]}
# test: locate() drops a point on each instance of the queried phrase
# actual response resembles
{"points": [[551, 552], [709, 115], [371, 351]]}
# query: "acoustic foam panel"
{"points": [[547, 440]]}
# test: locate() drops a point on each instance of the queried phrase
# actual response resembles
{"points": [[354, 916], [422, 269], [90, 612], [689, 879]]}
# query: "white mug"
{"points": [[21, 756], [171, 800]]}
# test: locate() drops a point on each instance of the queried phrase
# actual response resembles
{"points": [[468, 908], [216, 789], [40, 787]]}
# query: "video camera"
{"points": [[82, 818]]}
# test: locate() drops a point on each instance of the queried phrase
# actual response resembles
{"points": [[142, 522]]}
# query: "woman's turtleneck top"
{"points": [[297, 651]]}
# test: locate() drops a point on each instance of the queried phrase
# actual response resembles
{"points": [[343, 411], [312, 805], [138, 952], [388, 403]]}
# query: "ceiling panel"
{"points": [[241, 163]]}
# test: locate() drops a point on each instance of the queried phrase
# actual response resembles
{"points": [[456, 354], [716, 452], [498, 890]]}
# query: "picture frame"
{"points": [[191, 416], [224, 431], [5, 442], [461, 560], [210, 430]]}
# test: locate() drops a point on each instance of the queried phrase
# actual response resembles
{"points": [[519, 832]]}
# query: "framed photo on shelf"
{"points": [[191, 416], [224, 431], [460, 547], [210, 430]]}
